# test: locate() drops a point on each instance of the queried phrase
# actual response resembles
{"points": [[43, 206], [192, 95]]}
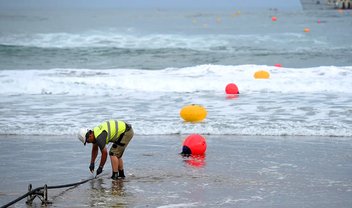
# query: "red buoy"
{"points": [[273, 18], [231, 89], [194, 144]]}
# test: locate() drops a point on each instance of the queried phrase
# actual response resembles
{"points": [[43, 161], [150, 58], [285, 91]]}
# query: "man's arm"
{"points": [[101, 143], [104, 155], [94, 153]]}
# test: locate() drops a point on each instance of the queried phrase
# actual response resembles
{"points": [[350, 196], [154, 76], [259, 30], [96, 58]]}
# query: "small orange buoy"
{"points": [[194, 144], [238, 13], [261, 75], [273, 18], [193, 113], [306, 30], [231, 89]]}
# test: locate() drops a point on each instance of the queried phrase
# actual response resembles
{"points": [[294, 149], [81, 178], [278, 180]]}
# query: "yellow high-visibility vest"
{"points": [[113, 127]]}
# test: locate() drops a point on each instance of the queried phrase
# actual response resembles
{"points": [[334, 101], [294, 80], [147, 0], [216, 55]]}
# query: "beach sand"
{"points": [[237, 171]]}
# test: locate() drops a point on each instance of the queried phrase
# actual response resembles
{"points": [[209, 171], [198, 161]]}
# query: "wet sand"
{"points": [[236, 171]]}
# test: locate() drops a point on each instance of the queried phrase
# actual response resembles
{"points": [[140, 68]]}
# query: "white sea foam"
{"points": [[235, 43], [293, 101], [180, 205], [328, 79]]}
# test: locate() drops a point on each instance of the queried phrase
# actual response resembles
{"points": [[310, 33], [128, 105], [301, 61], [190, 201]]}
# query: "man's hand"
{"points": [[99, 170], [91, 167]]}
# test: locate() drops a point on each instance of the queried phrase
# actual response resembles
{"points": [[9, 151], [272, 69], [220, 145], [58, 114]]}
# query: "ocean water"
{"points": [[61, 70], [282, 142]]}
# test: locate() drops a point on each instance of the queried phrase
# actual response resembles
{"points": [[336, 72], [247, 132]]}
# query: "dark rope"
{"points": [[69, 185], [36, 190]]}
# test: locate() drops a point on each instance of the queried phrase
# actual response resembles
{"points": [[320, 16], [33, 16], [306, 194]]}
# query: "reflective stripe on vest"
{"points": [[112, 127]]}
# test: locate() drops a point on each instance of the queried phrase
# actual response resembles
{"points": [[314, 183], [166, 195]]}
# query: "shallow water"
{"points": [[69, 68], [236, 171]]}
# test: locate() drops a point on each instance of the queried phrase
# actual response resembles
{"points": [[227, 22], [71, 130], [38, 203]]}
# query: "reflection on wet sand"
{"points": [[117, 187], [197, 161], [107, 191]]}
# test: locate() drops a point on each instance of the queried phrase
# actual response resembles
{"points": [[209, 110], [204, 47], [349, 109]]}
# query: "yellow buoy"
{"points": [[193, 113], [261, 75]]}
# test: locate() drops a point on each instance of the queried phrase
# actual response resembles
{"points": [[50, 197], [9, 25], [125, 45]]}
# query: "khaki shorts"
{"points": [[117, 150]]}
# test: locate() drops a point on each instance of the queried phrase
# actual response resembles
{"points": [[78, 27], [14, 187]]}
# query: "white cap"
{"points": [[82, 135]]}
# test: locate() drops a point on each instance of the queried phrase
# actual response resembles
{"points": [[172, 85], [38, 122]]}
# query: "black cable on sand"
{"points": [[36, 190]]}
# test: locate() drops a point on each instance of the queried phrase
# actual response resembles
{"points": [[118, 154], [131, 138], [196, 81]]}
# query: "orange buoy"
{"points": [[261, 75], [306, 30], [231, 89], [193, 113], [194, 144]]}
